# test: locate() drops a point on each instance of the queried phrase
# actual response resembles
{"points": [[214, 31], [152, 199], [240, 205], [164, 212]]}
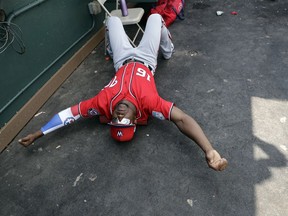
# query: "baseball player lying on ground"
{"points": [[131, 96]]}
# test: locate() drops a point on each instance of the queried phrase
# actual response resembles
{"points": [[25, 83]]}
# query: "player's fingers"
{"points": [[222, 164], [22, 142], [219, 165], [25, 141]]}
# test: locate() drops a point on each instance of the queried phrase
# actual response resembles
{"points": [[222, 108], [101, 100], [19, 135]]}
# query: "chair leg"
{"points": [[140, 28], [105, 44], [137, 33], [131, 41]]}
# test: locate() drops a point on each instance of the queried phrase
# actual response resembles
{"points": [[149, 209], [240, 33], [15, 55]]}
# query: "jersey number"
{"points": [[142, 73], [112, 83]]}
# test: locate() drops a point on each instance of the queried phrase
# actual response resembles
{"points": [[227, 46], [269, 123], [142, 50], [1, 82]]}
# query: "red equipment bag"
{"points": [[169, 10]]}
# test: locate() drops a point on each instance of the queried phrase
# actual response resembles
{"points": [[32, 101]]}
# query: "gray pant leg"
{"points": [[118, 41], [156, 36]]}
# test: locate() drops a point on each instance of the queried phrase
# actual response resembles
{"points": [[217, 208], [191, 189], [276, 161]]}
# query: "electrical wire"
{"points": [[11, 34]]}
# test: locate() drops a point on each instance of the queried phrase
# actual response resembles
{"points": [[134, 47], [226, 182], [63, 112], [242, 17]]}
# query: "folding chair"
{"points": [[133, 18]]}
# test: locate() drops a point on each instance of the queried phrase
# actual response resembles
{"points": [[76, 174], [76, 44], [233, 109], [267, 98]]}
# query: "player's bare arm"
{"points": [[189, 127], [61, 119]]}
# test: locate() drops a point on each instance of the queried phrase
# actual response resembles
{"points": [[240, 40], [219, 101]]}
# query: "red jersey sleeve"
{"points": [[98, 105], [160, 108]]}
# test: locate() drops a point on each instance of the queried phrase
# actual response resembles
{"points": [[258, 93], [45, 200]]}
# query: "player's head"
{"points": [[122, 133], [122, 126]]}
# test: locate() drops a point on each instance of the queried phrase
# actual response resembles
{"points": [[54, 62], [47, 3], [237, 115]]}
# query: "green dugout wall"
{"points": [[57, 35]]}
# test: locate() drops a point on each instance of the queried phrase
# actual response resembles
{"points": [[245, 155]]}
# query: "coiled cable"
{"points": [[11, 35]]}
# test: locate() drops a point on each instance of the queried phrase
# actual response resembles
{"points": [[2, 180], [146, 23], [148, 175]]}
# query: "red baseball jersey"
{"points": [[133, 82]]}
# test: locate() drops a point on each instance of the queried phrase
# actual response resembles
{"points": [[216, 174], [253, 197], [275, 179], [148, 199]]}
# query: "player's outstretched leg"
{"points": [[118, 41], [166, 45], [156, 36]]}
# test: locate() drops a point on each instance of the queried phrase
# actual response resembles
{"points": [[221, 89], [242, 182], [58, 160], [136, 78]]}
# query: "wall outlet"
{"points": [[94, 8]]}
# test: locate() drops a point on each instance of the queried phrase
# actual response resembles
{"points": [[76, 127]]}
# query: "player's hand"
{"points": [[29, 139], [26, 141], [215, 161]]}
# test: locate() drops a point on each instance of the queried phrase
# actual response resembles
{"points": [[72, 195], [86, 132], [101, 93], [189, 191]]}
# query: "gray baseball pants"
{"points": [[156, 36]]}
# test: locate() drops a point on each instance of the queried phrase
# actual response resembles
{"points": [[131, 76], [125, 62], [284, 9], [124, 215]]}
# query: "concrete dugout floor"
{"points": [[229, 72]]}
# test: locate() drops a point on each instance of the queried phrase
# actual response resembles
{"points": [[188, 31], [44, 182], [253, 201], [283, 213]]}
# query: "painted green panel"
{"points": [[49, 29]]}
